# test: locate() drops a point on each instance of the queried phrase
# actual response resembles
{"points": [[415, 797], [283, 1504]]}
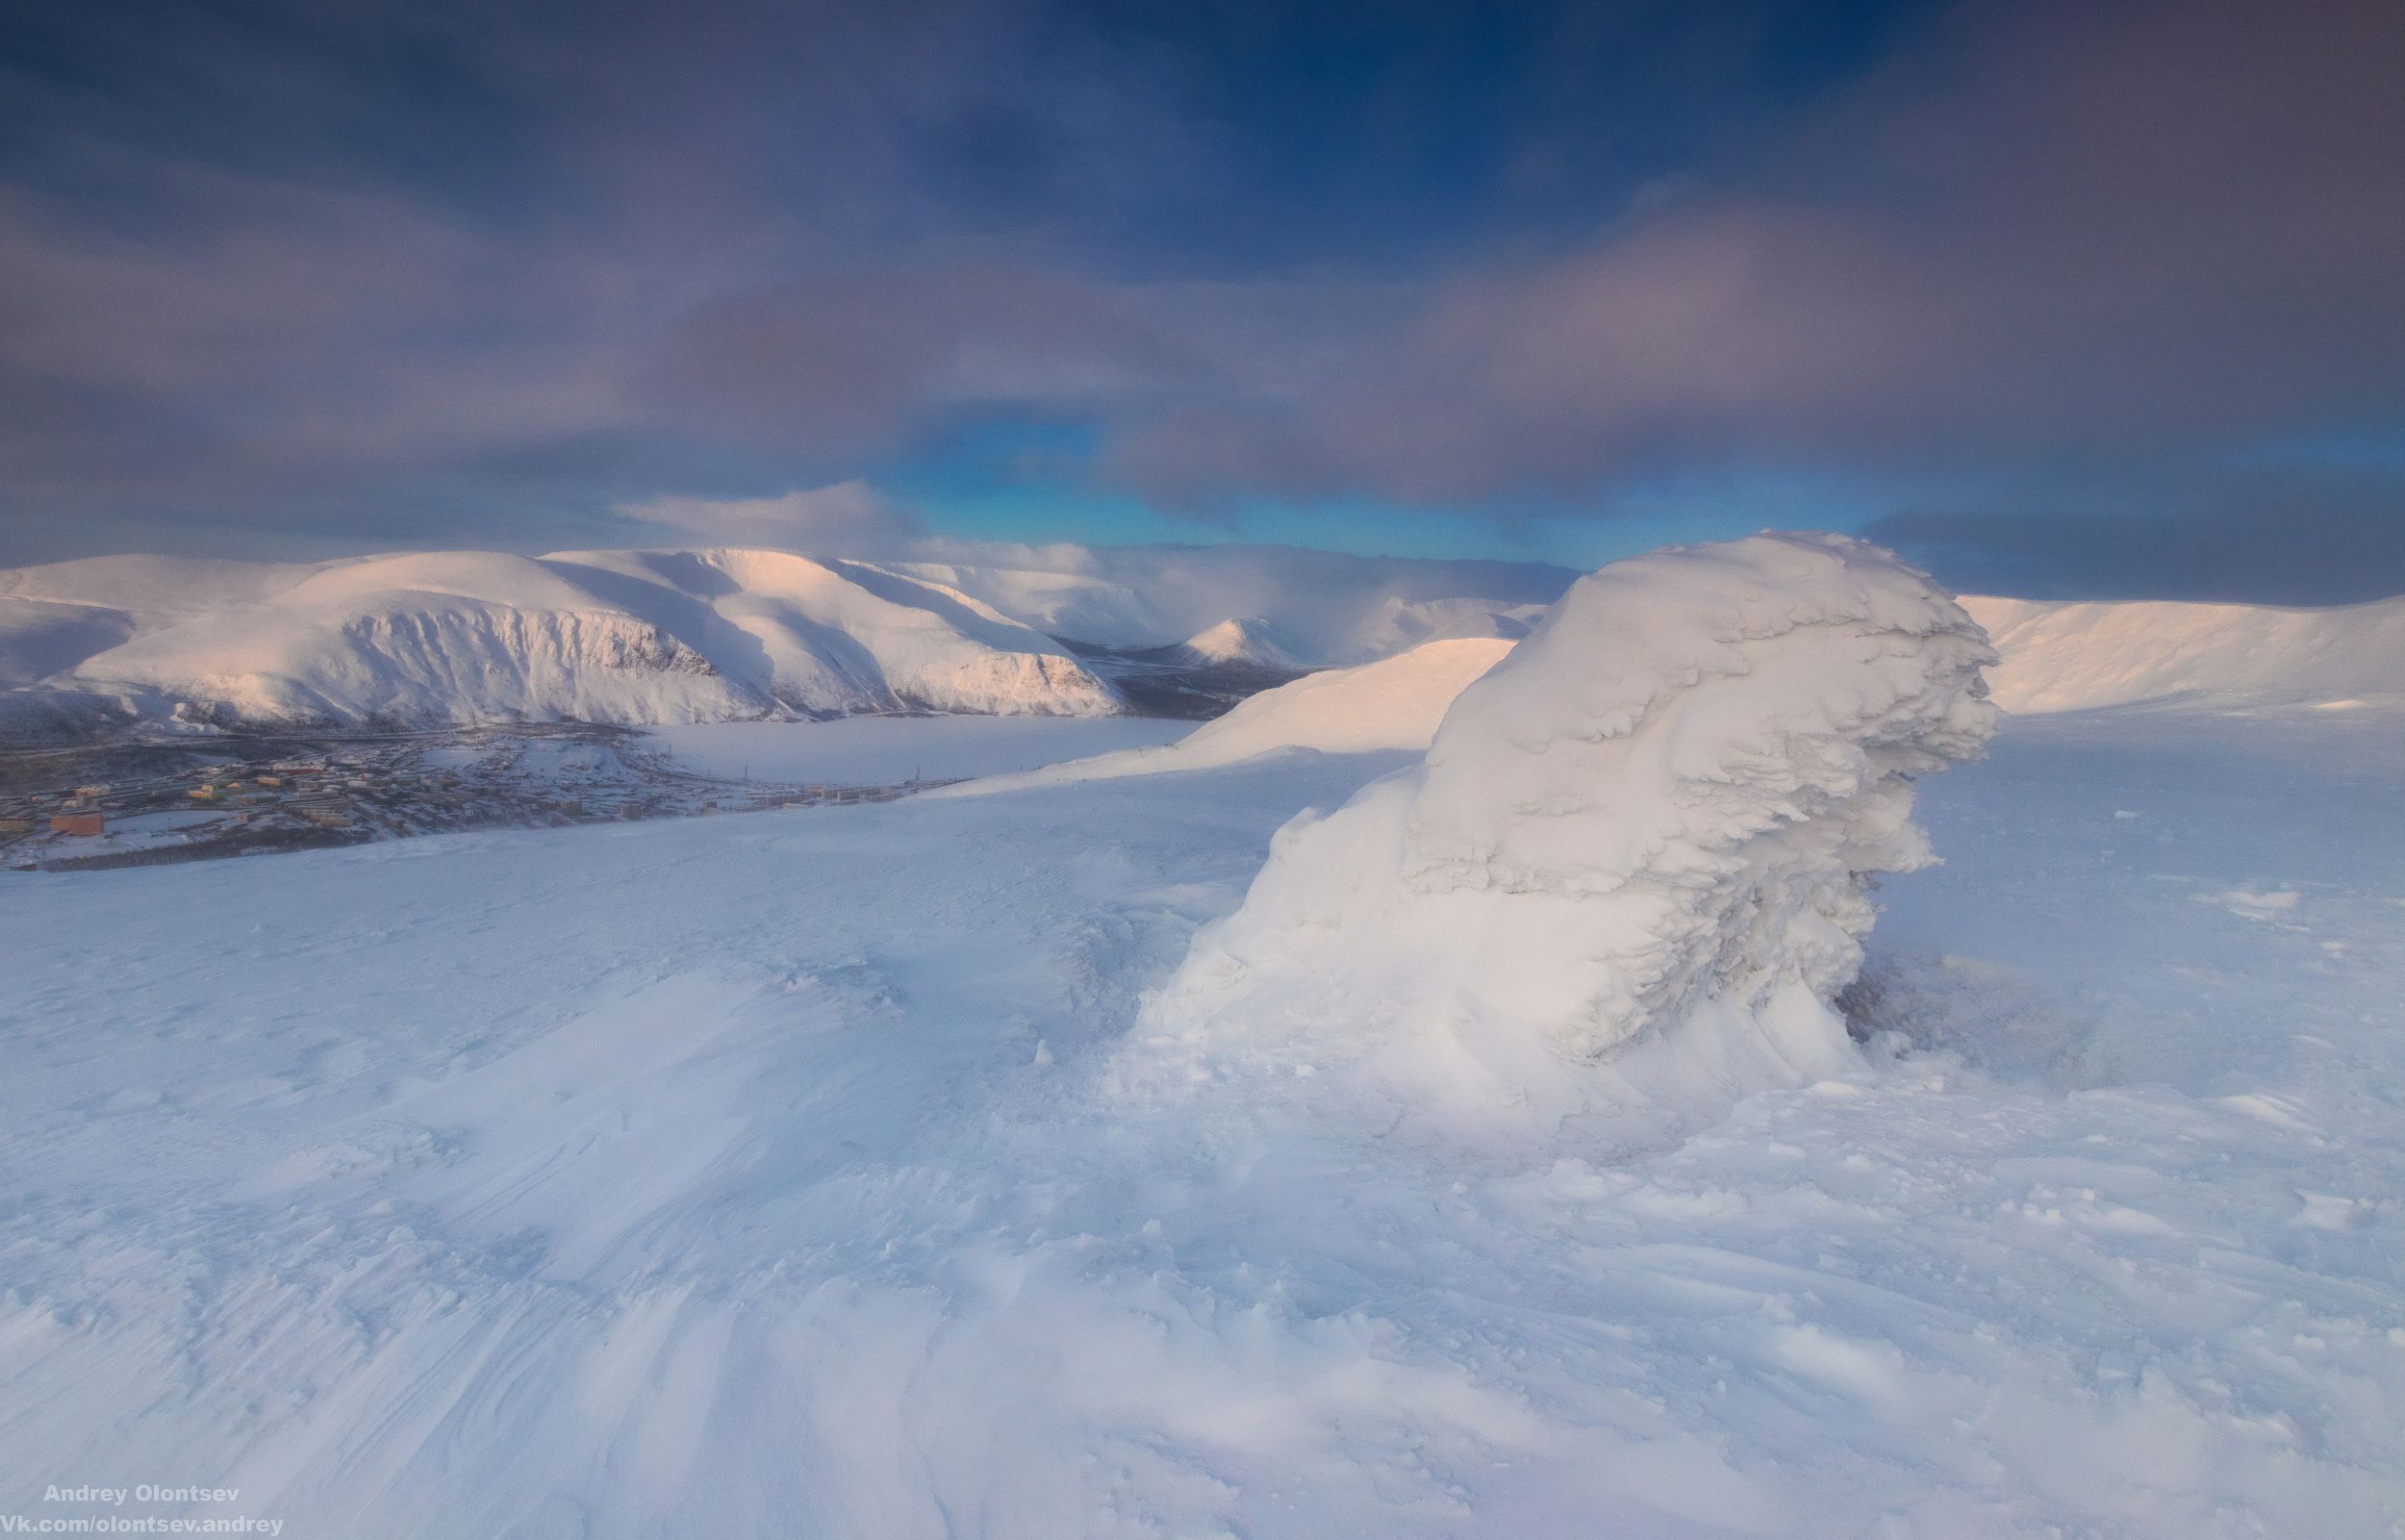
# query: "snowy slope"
{"points": [[151, 588], [1081, 605], [634, 636], [440, 637], [760, 1176], [40, 638], [1331, 611], [1390, 705], [1320, 608], [53, 617], [2066, 656], [1394, 625], [844, 636], [2072, 656]]}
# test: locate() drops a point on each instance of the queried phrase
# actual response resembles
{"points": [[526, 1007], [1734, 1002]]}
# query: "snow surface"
{"points": [[888, 750], [630, 637], [762, 1174], [1645, 836], [815, 1171], [1395, 704], [2070, 657]]}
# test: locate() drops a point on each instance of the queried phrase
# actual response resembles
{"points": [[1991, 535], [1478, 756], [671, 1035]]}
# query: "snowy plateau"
{"points": [[1753, 1047]]}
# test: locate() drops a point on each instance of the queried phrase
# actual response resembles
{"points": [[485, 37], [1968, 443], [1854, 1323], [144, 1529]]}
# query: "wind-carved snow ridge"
{"points": [[1633, 871]]}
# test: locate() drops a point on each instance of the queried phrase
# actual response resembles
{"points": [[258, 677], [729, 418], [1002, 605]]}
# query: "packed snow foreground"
{"points": [[1632, 872], [1039, 1164]]}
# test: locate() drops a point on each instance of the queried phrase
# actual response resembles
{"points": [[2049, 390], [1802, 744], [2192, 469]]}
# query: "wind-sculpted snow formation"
{"points": [[1633, 868]]}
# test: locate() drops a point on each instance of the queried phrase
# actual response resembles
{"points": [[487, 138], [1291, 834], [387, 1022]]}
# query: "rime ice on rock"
{"points": [[1643, 843]]}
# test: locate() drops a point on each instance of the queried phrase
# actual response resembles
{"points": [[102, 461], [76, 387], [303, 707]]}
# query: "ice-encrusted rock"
{"points": [[1644, 841]]}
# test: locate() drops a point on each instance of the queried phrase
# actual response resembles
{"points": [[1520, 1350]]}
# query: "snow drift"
{"points": [[1378, 707], [1632, 871]]}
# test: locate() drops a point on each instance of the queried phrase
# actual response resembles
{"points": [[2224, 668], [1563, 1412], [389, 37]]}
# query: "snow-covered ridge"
{"points": [[699, 635], [2077, 655], [630, 637], [1394, 704], [1651, 827]]}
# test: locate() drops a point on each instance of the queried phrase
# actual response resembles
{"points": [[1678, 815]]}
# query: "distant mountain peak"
{"points": [[1249, 640]]}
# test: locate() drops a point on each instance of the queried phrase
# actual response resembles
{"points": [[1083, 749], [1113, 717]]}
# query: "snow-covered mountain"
{"points": [[633, 637], [1323, 609], [2074, 656], [1248, 643], [1081, 605], [702, 635], [699, 634]]}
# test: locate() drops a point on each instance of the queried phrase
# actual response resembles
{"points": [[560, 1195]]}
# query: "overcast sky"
{"points": [[2081, 299]]}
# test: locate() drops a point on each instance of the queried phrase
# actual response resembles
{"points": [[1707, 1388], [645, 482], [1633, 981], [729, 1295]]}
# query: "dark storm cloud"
{"points": [[2056, 236], [417, 273], [2264, 538], [2085, 250]]}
